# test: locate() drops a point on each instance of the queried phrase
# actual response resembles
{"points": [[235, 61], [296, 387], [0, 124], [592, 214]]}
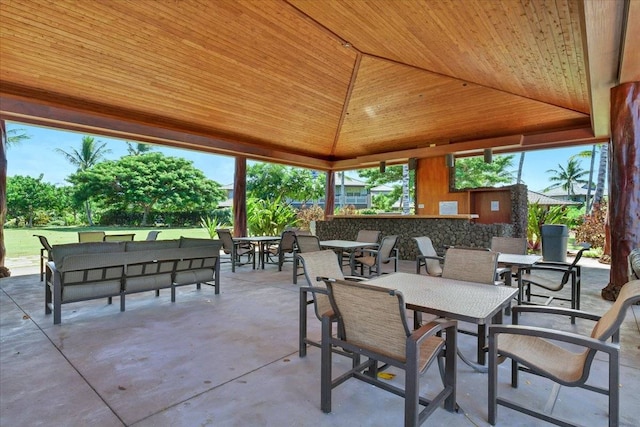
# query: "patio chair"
{"points": [[373, 259], [46, 253], [508, 245], [240, 249], [372, 322], [471, 265], [152, 235], [428, 257], [90, 236], [284, 250], [317, 265], [372, 236], [537, 350], [552, 276], [304, 244]]}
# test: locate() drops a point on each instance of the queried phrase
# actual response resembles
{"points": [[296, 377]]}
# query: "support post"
{"points": [[240, 198], [624, 185], [330, 194]]}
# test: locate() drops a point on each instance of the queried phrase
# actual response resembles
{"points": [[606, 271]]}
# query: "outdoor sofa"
{"points": [[85, 271]]}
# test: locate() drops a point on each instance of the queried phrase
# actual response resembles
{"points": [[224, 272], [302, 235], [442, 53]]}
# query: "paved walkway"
{"points": [[231, 360]]}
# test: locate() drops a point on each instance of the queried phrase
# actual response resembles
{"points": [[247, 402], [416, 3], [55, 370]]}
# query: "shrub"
{"points": [[592, 229], [306, 215]]}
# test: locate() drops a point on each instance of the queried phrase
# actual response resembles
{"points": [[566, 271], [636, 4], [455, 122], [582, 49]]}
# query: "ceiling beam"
{"points": [[603, 30], [26, 111], [630, 62]]}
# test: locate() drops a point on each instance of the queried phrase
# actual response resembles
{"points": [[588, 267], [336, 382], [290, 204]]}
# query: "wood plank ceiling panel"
{"points": [[257, 72], [396, 107], [529, 48]]}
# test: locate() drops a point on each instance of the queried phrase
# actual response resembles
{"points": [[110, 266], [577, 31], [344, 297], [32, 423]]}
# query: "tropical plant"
{"points": [[269, 217], [269, 181], [16, 136], [89, 155], [211, 225], [29, 198], [565, 178], [538, 216], [138, 148]]}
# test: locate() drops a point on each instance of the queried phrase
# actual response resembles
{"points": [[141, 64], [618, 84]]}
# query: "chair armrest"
{"points": [[423, 257], [538, 267], [432, 328], [551, 334], [356, 278], [560, 311]]}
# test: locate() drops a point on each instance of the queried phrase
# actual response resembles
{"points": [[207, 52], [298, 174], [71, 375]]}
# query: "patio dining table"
{"points": [[339, 246], [477, 303], [261, 242]]}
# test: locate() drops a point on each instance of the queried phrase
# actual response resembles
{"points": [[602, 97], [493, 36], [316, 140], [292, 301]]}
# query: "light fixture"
{"points": [[450, 160], [413, 163], [488, 155], [383, 167]]}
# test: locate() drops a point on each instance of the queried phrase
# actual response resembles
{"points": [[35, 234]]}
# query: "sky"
{"points": [[37, 155]]}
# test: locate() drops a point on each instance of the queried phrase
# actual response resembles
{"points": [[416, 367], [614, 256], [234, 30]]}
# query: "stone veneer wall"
{"points": [[442, 231]]}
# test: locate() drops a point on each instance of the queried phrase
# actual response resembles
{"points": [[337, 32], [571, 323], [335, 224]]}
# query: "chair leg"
{"points": [[492, 381], [614, 390], [325, 366], [411, 385]]}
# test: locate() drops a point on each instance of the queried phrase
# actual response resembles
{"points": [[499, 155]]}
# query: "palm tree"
{"points": [[405, 189], [520, 166], [16, 136], [90, 153], [138, 148], [602, 174], [591, 155], [567, 177]]}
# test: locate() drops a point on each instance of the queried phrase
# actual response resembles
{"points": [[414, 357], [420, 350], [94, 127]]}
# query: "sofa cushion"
{"points": [[190, 242], [634, 264], [60, 252], [146, 245], [189, 277], [85, 291], [147, 282]]}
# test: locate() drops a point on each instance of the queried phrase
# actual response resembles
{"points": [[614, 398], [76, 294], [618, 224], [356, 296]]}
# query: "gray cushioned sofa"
{"points": [[84, 271]]}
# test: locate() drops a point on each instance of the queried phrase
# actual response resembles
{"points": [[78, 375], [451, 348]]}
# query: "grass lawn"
{"points": [[20, 242]]}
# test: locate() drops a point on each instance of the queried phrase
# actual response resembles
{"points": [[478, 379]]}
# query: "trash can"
{"points": [[554, 242]]}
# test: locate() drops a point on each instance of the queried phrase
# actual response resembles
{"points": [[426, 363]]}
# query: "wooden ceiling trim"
{"points": [[345, 108], [630, 67], [26, 111], [602, 34]]}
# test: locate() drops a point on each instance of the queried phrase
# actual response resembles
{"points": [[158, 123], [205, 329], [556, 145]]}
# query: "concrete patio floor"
{"points": [[231, 360]]}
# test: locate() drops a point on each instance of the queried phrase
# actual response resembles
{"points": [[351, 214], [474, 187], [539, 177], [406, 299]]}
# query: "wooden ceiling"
{"points": [[330, 84]]}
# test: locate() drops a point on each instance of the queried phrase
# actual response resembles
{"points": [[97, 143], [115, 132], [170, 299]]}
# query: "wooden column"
{"points": [[240, 198], [624, 185], [330, 194], [4, 272]]}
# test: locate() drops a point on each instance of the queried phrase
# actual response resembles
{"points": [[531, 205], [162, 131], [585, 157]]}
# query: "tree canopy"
{"points": [[148, 182], [267, 181], [473, 172], [27, 195]]}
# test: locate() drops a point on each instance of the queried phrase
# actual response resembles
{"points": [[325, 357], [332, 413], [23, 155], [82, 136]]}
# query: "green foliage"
{"points": [[592, 230], [384, 202], [306, 215], [473, 172], [268, 217], [368, 212], [268, 181], [211, 225], [148, 182], [28, 197], [90, 153], [138, 148], [538, 216]]}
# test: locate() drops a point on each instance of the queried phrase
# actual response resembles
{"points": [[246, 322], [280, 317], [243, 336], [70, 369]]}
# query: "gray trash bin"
{"points": [[554, 242]]}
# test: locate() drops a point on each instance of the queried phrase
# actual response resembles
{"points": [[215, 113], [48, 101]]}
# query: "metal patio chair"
{"points": [[428, 257], [46, 254], [373, 259], [372, 322], [540, 351]]}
